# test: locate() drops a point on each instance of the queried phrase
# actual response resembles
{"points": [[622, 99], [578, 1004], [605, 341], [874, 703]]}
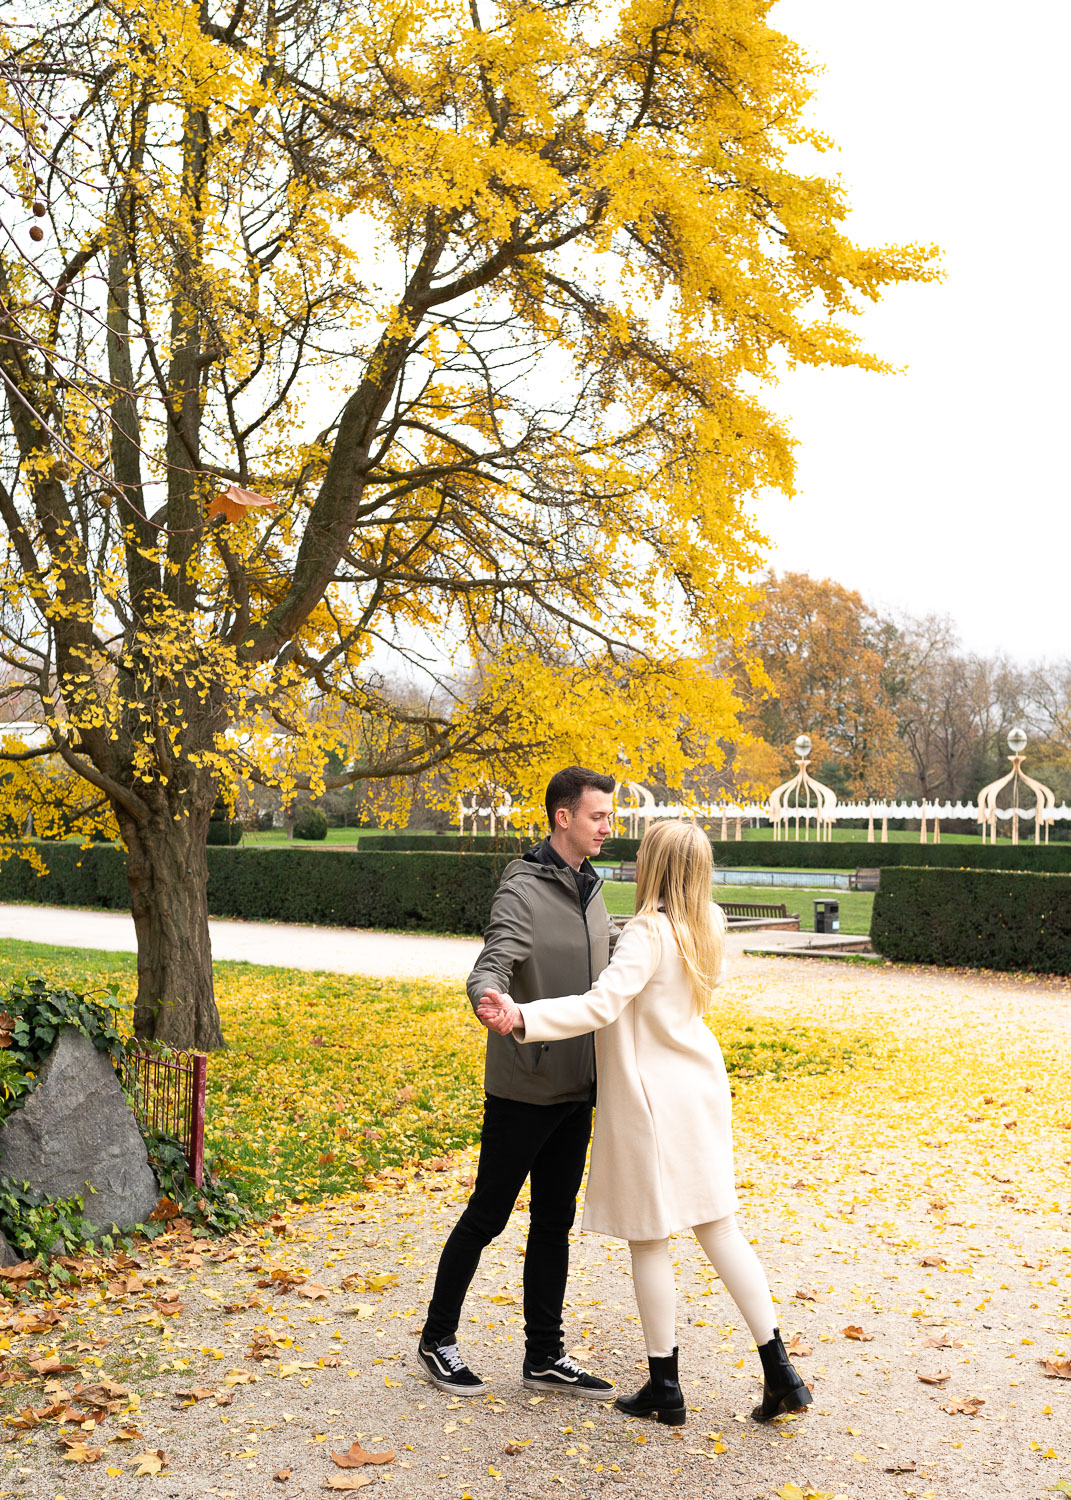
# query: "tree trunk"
{"points": [[167, 869]]}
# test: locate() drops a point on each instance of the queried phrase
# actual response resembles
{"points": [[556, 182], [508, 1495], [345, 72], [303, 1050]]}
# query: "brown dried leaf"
{"points": [[854, 1331], [169, 1306], [356, 1456], [906, 1466], [1056, 1369], [348, 1481], [164, 1210], [313, 1290], [797, 1346], [937, 1378], [79, 1453], [968, 1406], [807, 1294], [50, 1366], [281, 1476], [933, 1260]]}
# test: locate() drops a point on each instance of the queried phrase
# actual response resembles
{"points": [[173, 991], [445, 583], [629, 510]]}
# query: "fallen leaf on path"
{"points": [[313, 1290], [968, 1406], [806, 1294], [854, 1331], [348, 1481], [78, 1453], [281, 1476], [942, 1341], [1056, 1369], [933, 1260], [169, 1306], [360, 1310], [797, 1346], [50, 1366], [516, 1445], [150, 1462], [356, 1456], [937, 1378], [378, 1282], [191, 1397], [908, 1466]]}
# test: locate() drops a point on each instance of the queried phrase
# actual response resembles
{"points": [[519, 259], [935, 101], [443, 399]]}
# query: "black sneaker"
{"points": [[448, 1370], [559, 1373]]}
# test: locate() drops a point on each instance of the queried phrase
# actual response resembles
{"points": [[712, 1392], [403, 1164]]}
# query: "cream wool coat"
{"points": [[662, 1151]]}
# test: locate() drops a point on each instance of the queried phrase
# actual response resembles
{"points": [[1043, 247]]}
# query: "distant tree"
{"points": [[822, 649]]}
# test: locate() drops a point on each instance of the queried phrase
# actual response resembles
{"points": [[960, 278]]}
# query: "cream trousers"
{"points": [[735, 1262]]}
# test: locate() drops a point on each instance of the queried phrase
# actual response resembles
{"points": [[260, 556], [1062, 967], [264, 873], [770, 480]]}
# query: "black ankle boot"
{"points": [[661, 1397], [783, 1388]]}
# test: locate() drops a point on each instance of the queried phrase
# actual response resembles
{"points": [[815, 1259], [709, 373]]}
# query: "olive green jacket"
{"points": [[541, 942]]}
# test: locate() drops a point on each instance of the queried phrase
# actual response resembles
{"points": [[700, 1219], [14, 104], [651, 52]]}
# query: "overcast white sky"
{"points": [[945, 488]]}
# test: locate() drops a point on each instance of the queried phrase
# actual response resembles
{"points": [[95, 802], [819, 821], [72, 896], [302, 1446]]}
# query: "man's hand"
{"points": [[499, 1013]]}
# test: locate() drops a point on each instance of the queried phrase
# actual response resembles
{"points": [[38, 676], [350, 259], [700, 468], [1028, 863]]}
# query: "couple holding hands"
{"points": [[560, 990]]}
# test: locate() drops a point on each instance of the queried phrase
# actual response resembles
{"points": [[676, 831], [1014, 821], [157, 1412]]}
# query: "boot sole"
{"points": [[673, 1418], [793, 1401], [546, 1388]]}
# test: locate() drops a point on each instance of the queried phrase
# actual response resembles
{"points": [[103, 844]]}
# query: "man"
{"points": [[549, 934]]}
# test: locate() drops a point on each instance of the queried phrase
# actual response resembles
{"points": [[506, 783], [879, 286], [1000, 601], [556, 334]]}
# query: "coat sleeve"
{"points": [[635, 960], [506, 942]]}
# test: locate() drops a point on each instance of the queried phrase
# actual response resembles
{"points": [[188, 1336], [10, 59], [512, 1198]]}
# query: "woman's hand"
{"points": [[499, 1013]]}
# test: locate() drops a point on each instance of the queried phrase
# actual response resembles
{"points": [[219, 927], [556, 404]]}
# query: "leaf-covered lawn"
{"points": [[328, 1078]]}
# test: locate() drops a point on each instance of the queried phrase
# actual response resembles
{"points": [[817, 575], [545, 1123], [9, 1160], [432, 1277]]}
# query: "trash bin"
{"points": [[827, 916]]}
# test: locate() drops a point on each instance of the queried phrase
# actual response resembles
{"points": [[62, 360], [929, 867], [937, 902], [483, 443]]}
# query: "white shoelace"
{"points": [[450, 1354], [569, 1364]]}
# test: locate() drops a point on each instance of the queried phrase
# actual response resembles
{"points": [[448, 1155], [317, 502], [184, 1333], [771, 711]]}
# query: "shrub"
{"points": [[836, 856], [414, 892], [978, 919], [505, 843], [310, 823], [223, 829]]}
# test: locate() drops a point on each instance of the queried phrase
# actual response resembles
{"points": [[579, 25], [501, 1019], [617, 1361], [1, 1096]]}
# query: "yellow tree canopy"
{"points": [[476, 297]]}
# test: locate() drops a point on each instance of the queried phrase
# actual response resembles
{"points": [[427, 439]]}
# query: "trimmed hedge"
{"points": [[613, 849], [325, 887], [977, 919], [755, 855]]}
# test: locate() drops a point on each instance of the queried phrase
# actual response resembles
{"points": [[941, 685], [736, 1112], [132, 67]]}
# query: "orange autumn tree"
{"points": [[476, 296], [826, 653]]}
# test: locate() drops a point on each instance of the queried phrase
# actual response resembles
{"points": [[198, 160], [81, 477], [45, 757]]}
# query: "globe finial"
{"points": [[803, 746], [1017, 741]]}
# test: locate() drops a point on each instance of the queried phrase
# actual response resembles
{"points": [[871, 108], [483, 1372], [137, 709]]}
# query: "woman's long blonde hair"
{"points": [[674, 870]]}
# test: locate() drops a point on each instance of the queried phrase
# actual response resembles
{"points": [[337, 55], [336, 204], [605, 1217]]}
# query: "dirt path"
{"points": [[920, 1199]]}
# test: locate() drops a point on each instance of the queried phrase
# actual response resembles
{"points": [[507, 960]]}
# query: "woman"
{"points": [[662, 1153]]}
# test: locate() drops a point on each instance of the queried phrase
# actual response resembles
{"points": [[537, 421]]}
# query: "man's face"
{"points": [[585, 830]]}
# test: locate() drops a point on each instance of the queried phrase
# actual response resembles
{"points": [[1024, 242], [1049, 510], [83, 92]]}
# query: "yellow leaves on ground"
{"points": [[793, 1492]]}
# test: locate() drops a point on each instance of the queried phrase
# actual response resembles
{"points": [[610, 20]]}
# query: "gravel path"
{"points": [[943, 1240]]}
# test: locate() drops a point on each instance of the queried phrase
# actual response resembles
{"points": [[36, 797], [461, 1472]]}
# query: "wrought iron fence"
{"points": [[169, 1094]]}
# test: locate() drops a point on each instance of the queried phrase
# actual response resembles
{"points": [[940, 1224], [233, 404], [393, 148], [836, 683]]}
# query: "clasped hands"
{"points": [[499, 1013]]}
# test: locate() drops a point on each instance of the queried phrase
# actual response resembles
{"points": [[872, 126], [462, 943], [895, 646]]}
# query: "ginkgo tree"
{"points": [[336, 335]]}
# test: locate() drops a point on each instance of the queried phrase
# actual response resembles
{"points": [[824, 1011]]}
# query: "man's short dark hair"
{"points": [[565, 788]]}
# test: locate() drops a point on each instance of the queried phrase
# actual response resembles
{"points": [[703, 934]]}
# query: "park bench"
{"points": [[864, 880], [753, 911], [626, 871]]}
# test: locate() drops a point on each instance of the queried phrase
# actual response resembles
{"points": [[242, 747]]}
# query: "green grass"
{"points": [[328, 1078], [855, 906]]}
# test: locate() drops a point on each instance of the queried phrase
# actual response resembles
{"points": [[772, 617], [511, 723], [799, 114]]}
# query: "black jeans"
{"points": [[549, 1142]]}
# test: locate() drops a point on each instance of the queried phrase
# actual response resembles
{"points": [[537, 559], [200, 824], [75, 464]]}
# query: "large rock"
{"points": [[76, 1132]]}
